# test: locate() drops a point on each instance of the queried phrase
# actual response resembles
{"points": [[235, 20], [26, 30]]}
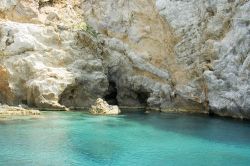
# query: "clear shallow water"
{"points": [[75, 138]]}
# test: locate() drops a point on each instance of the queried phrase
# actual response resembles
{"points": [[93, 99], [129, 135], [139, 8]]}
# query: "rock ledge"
{"points": [[17, 111]]}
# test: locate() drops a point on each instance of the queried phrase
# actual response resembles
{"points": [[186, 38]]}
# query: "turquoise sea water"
{"points": [[75, 138]]}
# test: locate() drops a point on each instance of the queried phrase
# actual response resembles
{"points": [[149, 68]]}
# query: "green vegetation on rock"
{"points": [[91, 31], [2, 53], [82, 26]]}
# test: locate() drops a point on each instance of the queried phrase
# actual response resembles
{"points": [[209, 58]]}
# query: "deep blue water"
{"points": [[75, 138]]}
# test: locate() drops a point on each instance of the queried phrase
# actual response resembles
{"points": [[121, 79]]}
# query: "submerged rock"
{"points": [[101, 107], [17, 111]]}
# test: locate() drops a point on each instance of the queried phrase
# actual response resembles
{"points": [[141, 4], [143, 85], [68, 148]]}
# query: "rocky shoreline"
{"points": [[167, 55], [17, 111]]}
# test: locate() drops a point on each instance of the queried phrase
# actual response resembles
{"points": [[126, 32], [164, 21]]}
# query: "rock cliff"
{"points": [[214, 38], [170, 55]]}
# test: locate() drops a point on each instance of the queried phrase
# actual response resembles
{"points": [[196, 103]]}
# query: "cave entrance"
{"points": [[142, 98], [112, 94]]}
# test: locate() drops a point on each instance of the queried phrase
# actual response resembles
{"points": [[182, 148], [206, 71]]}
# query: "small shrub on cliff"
{"points": [[80, 27], [91, 31], [2, 54]]}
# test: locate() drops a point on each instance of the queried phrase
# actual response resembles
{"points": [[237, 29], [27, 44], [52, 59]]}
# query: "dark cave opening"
{"points": [[142, 98], [25, 102], [112, 94]]}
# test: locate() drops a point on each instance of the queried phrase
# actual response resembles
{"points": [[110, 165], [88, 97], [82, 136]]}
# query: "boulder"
{"points": [[101, 107]]}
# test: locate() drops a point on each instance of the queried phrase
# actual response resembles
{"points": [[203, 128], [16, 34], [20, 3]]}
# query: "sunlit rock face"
{"points": [[229, 83], [165, 54], [141, 64], [214, 38], [41, 59], [30, 51], [6, 95]]}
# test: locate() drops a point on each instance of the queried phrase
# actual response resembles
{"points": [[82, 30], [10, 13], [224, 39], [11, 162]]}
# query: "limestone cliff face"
{"points": [[145, 68], [42, 57], [164, 54], [215, 38]]}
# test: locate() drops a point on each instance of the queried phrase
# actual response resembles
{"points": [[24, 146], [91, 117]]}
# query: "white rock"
{"points": [[101, 107], [216, 31], [198, 53], [16, 111]]}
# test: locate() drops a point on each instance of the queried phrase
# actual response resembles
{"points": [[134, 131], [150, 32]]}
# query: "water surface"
{"points": [[75, 138]]}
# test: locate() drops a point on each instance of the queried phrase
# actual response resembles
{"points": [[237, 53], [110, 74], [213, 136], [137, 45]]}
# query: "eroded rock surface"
{"points": [[214, 38], [164, 54], [47, 65], [101, 107], [17, 111], [5, 91], [141, 62]]}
